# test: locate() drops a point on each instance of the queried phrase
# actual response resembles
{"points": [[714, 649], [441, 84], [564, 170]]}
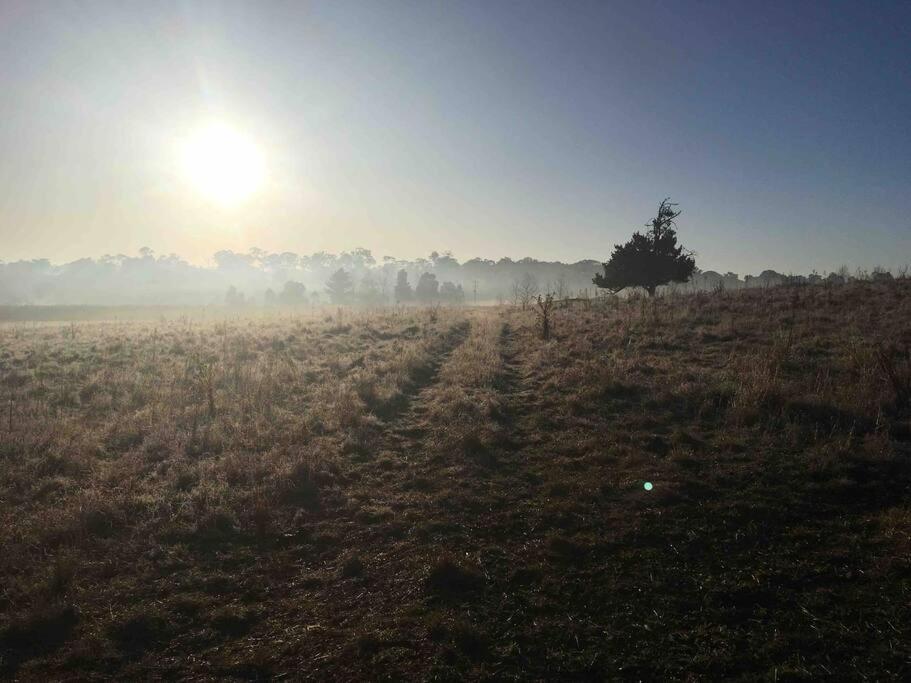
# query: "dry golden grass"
{"points": [[443, 494]]}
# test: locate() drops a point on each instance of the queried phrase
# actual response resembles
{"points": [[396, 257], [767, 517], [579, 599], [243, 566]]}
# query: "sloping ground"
{"points": [[491, 520]]}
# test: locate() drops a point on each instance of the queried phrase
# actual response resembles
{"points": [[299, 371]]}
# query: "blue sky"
{"points": [[491, 129]]}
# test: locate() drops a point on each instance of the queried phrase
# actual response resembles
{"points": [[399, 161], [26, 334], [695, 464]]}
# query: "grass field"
{"points": [[442, 494]]}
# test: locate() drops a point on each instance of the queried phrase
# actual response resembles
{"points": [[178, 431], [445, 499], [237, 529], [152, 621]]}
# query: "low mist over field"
{"points": [[392, 340], [259, 278], [459, 491]]}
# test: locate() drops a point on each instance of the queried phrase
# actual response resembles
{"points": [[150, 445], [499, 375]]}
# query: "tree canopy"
{"points": [[340, 286], [427, 287], [649, 260]]}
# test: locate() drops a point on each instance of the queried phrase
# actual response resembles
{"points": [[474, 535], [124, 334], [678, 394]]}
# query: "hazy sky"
{"points": [[544, 129]]}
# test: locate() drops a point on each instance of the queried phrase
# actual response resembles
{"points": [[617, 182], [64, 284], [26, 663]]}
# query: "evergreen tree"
{"points": [[649, 260], [340, 287]]}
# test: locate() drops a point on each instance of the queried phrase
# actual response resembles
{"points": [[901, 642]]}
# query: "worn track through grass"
{"points": [[356, 598], [467, 507], [489, 519]]}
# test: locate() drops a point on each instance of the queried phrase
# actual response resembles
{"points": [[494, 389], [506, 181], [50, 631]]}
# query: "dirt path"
{"points": [[433, 557], [351, 597], [419, 503], [442, 557], [489, 520], [479, 510]]}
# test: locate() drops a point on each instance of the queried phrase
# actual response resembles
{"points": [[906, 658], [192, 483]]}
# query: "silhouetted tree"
{"points": [[403, 291], [649, 260], [427, 288], [340, 287]]}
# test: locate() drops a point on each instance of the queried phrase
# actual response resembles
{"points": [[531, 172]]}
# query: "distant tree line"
{"points": [[260, 278], [286, 279]]}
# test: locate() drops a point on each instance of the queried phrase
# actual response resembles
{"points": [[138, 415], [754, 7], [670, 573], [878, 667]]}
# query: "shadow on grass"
{"points": [[35, 636]]}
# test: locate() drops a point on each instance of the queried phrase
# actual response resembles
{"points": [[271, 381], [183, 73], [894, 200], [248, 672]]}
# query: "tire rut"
{"points": [[438, 505], [426, 378], [406, 429]]}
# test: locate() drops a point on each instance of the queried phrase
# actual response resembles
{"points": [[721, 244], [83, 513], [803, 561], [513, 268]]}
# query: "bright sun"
{"points": [[222, 164]]}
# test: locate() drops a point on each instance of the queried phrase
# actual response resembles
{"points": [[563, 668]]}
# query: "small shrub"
{"points": [[544, 312]]}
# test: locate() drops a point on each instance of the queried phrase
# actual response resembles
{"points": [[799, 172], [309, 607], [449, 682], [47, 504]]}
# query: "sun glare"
{"points": [[222, 164]]}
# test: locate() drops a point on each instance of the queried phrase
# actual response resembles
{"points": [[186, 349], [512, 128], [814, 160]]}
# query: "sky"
{"points": [[542, 129]]}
